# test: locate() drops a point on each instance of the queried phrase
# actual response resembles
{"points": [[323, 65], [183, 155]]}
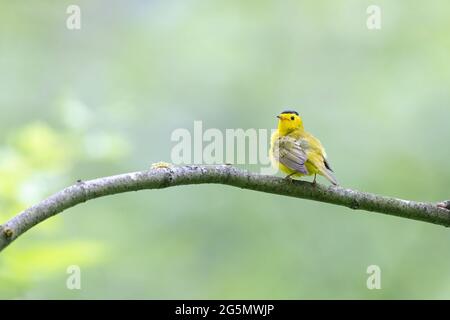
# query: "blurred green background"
{"points": [[81, 104]]}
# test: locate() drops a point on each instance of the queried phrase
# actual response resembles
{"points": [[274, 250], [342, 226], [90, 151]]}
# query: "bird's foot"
{"points": [[288, 178]]}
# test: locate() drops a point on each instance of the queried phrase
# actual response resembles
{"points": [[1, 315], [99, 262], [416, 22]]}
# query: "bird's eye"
{"points": [[292, 118]]}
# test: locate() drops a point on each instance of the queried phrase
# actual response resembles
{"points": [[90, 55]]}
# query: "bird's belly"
{"points": [[312, 169]]}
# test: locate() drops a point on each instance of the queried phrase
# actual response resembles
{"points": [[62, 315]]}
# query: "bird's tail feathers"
{"points": [[327, 173]]}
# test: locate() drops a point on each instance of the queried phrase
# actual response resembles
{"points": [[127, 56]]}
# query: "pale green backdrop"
{"points": [[81, 104]]}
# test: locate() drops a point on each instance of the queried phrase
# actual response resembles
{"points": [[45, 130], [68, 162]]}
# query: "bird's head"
{"points": [[289, 121]]}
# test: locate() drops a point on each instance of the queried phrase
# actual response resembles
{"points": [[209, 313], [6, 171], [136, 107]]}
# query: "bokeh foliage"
{"points": [[105, 99]]}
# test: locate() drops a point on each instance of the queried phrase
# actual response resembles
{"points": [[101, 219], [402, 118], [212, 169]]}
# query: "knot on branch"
{"points": [[6, 232], [82, 185], [444, 204], [354, 204]]}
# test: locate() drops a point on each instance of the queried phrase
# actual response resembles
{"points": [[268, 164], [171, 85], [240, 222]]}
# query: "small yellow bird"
{"points": [[297, 152]]}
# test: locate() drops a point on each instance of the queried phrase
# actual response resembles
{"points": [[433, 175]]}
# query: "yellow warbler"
{"points": [[297, 152]]}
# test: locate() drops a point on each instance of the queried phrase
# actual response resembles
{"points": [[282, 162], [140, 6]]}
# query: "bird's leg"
{"points": [[288, 177], [314, 181]]}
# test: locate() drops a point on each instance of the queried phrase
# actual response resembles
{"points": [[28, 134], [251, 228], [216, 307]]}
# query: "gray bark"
{"points": [[221, 174]]}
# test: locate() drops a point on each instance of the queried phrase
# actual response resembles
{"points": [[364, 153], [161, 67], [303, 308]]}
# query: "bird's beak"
{"points": [[278, 117]]}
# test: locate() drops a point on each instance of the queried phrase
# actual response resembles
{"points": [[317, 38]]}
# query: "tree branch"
{"points": [[160, 178]]}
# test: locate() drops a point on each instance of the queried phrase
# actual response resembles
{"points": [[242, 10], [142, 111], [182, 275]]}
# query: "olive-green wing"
{"points": [[290, 152]]}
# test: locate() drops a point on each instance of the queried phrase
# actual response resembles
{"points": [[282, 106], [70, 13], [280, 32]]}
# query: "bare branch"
{"points": [[222, 174]]}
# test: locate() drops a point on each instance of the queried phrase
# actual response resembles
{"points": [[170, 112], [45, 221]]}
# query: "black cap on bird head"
{"points": [[290, 111], [287, 112]]}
